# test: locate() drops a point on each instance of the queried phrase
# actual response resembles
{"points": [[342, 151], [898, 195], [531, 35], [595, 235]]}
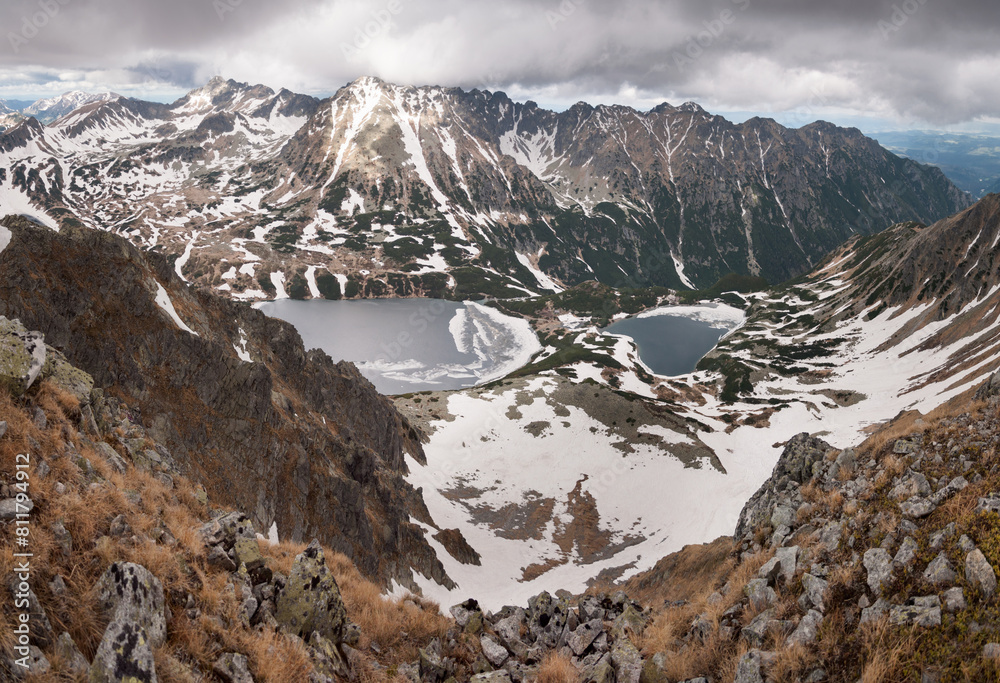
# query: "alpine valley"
{"points": [[212, 501]]}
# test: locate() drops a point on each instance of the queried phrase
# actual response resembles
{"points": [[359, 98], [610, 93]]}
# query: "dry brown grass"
{"points": [[885, 652], [556, 668]]}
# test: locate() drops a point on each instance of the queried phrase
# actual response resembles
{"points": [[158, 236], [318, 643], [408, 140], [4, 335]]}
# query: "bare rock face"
{"points": [[802, 459], [291, 437]]}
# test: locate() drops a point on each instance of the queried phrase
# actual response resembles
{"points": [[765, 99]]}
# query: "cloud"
{"points": [[926, 60]]}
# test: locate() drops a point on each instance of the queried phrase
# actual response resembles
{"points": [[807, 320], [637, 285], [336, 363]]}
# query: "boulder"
{"points": [[954, 600], [124, 655], [939, 571], [979, 573], [907, 553], [311, 598], [73, 660], [879, 566], [233, 668], [805, 632], [627, 662], [134, 597], [584, 636], [495, 653], [813, 592]]}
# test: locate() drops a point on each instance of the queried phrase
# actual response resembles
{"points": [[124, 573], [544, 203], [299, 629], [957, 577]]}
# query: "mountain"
{"points": [[50, 109], [231, 396], [434, 191], [971, 161]]}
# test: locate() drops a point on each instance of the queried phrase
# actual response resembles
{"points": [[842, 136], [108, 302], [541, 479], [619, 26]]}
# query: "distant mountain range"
{"points": [[391, 190], [971, 161]]}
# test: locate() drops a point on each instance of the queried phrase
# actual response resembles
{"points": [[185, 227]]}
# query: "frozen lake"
{"points": [[671, 340], [407, 345]]}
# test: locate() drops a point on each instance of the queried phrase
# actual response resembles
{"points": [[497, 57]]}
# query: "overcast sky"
{"points": [[912, 63]]}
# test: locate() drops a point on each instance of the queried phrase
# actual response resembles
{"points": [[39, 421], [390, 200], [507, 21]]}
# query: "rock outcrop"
{"points": [[292, 437]]}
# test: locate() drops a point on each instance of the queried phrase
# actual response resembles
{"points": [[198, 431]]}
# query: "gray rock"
{"points": [[627, 662], [41, 628], [954, 486], [805, 632], [311, 598], [912, 484], [954, 600], [829, 536], [845, 463], [783, 515], [495, 653], [464, 611], [990, 503], [509, 631], [991, 651], [584, 636], [37, 664], [760, 594], [939, 571], [10, 508], [907, 553], [749, 669], [73, 660], [813, 592], [875, 612], [925, 611], [134, 598], [938, 538], [125, 654], [979, 573], [756, 631], [879, 566], [233, 668], [217, 557], [917, 507], [111, 456], [492, 677]]}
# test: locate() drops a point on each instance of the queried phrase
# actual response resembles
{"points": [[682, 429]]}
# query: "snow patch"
{"points": [[164, 302]]}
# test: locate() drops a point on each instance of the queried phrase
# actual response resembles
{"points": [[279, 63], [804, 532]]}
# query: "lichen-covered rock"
{"points": [[627, 662], [22, 356], [495, 653], [311, 598], [125, 655], [133, 596], [233, 668], [805, 632]]}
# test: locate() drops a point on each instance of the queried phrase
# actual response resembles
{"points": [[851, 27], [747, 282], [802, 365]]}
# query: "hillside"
{"points": [[388, 190], [304, 445]]}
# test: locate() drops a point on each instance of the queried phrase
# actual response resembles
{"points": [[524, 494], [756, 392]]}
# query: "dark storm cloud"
{"points": [[934, 60]]}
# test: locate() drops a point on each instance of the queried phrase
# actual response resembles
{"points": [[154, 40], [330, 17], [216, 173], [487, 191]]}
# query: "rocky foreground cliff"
{"points": [[230, 396]]}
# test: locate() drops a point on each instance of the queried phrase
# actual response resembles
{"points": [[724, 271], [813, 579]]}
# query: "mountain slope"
{"points": [[385, 189], [298, 440]]}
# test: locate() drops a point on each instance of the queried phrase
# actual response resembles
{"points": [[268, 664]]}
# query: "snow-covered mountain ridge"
{"points": [[405, 191]]}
